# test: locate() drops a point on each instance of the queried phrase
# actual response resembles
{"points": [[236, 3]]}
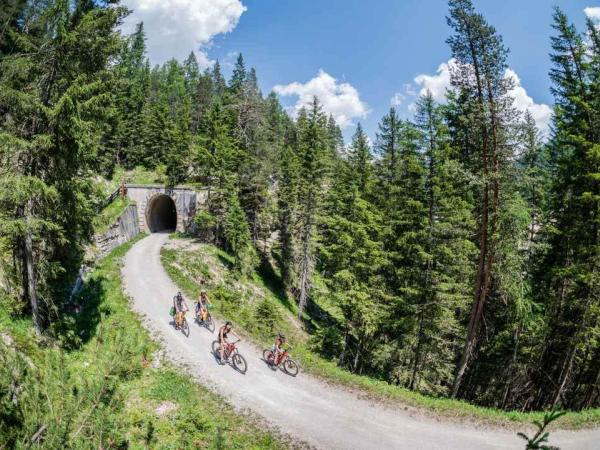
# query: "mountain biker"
{"points": [[181, 308], [224, 331], [277, 348], [202, 306]]}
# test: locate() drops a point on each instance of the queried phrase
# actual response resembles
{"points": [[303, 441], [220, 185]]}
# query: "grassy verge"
{"points": [[101, 385], [260, 309], [108, 215]]}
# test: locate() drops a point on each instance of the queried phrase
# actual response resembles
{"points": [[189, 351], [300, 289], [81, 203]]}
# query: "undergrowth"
{"points": [[110, 214], [98, 383], [259, 308]]}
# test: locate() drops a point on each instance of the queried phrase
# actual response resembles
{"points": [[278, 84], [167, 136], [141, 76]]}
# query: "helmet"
{"points": [[179, 295], [281, 336], [228, 323]]}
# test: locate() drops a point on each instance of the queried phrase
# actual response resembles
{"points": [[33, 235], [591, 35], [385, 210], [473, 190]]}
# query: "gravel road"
{"points": [[306, 408]]}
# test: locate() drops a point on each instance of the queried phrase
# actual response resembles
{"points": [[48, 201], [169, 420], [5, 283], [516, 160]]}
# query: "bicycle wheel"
{"points": [[239, 362], [268, 356], [216, 348], [290, 367], [185, 328], [209, 324]]}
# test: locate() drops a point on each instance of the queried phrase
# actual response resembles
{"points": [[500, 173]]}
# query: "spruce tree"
{"points": [[313, 164], [238, 77], [447, 253], [482, 86], [570, 272], [50, 128]]}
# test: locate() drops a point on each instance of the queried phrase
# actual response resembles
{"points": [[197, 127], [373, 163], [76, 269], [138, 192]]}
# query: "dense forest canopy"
{"points": [[460, 250]]}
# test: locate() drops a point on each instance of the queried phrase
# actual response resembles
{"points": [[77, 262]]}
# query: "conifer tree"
{"points": [[50, 129], [480, 81], [238, 77], [446, 256], [570, 273], [132, 82], [350, 253], [218, 80], [360, 160], [313, 165]]}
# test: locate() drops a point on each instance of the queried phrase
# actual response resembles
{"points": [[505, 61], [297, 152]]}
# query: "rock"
{"points": [[165, 408]]}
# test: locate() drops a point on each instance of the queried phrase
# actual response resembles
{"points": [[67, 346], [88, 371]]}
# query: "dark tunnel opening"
{"points": [[162, 214]]}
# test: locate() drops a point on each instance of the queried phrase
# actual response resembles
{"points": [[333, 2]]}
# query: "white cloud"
{"points": [[339, 99], [542, 113], [437, 84], [409, 89], [397, 99], [593, 12], [176, 27]]}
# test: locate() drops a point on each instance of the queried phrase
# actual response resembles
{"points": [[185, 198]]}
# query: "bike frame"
{"points": [[230, 349], [282, 357]]}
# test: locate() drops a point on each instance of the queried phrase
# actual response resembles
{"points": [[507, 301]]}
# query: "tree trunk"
{"points": [[564, 376], [484, 270], [304, 274], [357, 356], [31, 284]]}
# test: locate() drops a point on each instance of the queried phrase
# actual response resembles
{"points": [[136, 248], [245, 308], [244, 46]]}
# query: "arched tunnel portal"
{"points": [[161, 214]]}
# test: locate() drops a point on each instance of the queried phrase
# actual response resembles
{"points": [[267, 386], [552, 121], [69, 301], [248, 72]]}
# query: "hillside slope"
{"points": [[307, 408]]}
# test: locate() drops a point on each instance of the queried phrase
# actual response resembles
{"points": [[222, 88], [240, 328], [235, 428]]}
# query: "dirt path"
{"points": [[322, 415]]}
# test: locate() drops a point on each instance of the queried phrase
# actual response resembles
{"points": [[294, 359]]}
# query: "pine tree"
{"points": [[191, 72], [360, 160], [312, 154], [446, 256], [238, 77], [480, 81], [218, 81], [350, 253], [336, 140], [570, 271], [132, 82], [51, 128], [237, 236], [386, 145]]}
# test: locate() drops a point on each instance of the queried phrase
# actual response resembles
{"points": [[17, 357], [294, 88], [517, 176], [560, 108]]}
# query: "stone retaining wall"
{"points": [[125, 228]]}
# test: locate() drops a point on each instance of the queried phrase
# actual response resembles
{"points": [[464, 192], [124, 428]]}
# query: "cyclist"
{"points": [[224, 332], [181, 308], [277, 348], [202, 306]]}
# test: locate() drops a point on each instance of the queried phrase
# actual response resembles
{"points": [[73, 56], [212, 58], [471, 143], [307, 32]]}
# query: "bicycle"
{"points": [[206, 322], [284, 362], [184, 327], [231, 351]]}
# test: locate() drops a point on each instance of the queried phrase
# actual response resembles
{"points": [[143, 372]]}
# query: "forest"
{"points": [[461, 246]]}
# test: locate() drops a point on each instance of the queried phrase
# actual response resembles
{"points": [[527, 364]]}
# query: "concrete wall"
{"points": [[125, 228], [187, 201]]}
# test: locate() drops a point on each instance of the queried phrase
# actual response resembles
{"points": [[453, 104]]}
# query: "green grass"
{"points": [[256, 311], [99, 388], [108, 215], [236, 299]]}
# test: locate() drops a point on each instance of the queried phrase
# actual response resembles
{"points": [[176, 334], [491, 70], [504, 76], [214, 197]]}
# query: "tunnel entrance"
{"points": [[161, 214]]}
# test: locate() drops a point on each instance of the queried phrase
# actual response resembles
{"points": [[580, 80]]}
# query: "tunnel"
{"points": [[161, 214]]}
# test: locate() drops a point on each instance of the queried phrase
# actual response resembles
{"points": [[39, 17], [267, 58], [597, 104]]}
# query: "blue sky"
{"points": [[366, 51]]}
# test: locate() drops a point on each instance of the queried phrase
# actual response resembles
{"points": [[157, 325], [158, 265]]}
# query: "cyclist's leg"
{"points": [[222, 350]]}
